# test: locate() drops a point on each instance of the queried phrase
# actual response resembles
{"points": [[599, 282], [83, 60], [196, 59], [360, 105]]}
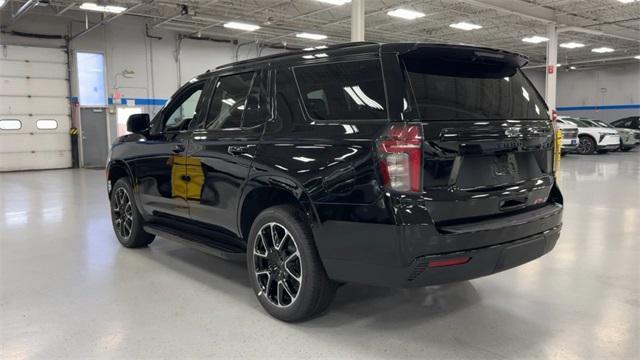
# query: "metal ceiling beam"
{"points": [[543, 14], [595, 32], [105, 21], [167, 20], [65, 9], [590, 61], [248, 13], [25, 8]]}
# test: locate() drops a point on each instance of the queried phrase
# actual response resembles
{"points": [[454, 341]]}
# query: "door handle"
{"points": [[237, 149], [178, 148]]}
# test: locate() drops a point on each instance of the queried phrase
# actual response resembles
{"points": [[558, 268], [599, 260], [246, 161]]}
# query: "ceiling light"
{"points": [[535, 39], [311, 36], [405, 14], [2, 2], [571, 45], [465, 26], [572, 67], [627, 1], [100, 8], [335, 2], [637, 57], [241, 26], [558, 65], [602, 50]]}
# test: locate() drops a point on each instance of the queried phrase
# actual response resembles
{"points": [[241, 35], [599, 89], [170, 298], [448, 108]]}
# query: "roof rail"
{"points": [[289, 53]]}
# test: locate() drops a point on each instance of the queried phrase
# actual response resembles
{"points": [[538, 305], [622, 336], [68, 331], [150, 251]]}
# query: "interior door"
{"points": [[95, 145], [160, 162], [222, 150]]}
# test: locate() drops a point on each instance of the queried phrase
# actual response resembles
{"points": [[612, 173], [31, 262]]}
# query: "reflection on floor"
{"points": [[69, 290]]}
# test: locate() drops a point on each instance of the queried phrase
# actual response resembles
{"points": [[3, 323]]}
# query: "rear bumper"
{"points": [[399, 255]]}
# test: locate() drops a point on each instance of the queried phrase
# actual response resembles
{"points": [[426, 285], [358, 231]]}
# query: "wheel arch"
{"points": [[590, 136], [262, 193], [116, 170]]}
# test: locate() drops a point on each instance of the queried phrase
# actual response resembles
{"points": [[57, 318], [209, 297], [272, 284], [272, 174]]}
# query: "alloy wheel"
{"points": [[277, 265], [585, 146], [122, 213]]}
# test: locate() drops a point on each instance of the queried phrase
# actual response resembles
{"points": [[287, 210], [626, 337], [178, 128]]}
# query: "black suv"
{"points": [[397, 165]]}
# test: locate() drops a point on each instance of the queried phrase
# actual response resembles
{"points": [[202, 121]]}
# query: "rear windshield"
{"points": [[463, 90]]}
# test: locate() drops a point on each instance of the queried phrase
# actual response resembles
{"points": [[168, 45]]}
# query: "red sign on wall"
{"points": [[551, 69]]}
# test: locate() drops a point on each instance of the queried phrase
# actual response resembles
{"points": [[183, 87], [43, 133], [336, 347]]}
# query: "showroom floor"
{"points": [[69, 290]]}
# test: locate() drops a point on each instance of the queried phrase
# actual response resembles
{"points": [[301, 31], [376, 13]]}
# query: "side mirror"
{"points": [[138, 123]]}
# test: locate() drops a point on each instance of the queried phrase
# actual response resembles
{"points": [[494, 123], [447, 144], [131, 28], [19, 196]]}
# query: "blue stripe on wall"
{"points": [[599, 107], [139, 101]]}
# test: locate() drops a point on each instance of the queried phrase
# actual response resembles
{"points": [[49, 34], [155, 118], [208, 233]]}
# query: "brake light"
{"points": [[400, 150], [449, 262]]}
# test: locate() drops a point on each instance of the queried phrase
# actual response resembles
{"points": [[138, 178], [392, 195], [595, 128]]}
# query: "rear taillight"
{"points": [[400, 150]]}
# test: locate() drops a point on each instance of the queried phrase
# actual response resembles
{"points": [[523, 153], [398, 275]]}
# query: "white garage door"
{"points": [[34, 109]]}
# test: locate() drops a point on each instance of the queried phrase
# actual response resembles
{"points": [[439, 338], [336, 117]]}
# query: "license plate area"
{"points": [[494, 170]]}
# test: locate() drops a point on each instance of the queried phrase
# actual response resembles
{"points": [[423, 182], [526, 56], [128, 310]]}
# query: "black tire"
{"points": [[586, 145], [270, 265], [603, 151], [131, 235], [623, 148]]}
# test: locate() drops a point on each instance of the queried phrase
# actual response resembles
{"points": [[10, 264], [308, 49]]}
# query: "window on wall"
{"points": [[91, 85], [10, 124], [47, 124]]}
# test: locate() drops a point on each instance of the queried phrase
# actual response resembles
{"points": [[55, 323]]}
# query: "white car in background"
{"points": [[628, 137], [592, 138], [569, 137]]}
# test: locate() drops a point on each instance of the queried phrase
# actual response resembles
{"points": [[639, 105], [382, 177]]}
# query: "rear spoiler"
{"points": [[474, 54]]}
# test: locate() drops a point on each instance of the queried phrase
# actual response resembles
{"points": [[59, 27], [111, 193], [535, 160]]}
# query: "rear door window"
{"points": [[445, 89], [256, 110], [229, 101], [351, 90]]}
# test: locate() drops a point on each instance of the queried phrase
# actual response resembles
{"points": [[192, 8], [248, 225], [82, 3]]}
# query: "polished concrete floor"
{"points": [[68, 290]]}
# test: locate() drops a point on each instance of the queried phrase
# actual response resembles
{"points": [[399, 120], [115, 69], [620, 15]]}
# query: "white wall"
{"points": [[126, 47], [595, 86], [158, 71]]}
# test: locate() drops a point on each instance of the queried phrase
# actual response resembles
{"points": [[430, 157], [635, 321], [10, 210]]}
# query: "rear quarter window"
{"points": [[350, 90]]}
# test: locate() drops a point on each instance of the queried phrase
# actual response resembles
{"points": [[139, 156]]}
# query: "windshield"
{"points": [[581, 123], [451, 89], [602, 124]]}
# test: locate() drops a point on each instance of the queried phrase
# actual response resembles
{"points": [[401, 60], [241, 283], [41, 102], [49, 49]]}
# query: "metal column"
{"points": [[357, 20], [552, 69]]}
